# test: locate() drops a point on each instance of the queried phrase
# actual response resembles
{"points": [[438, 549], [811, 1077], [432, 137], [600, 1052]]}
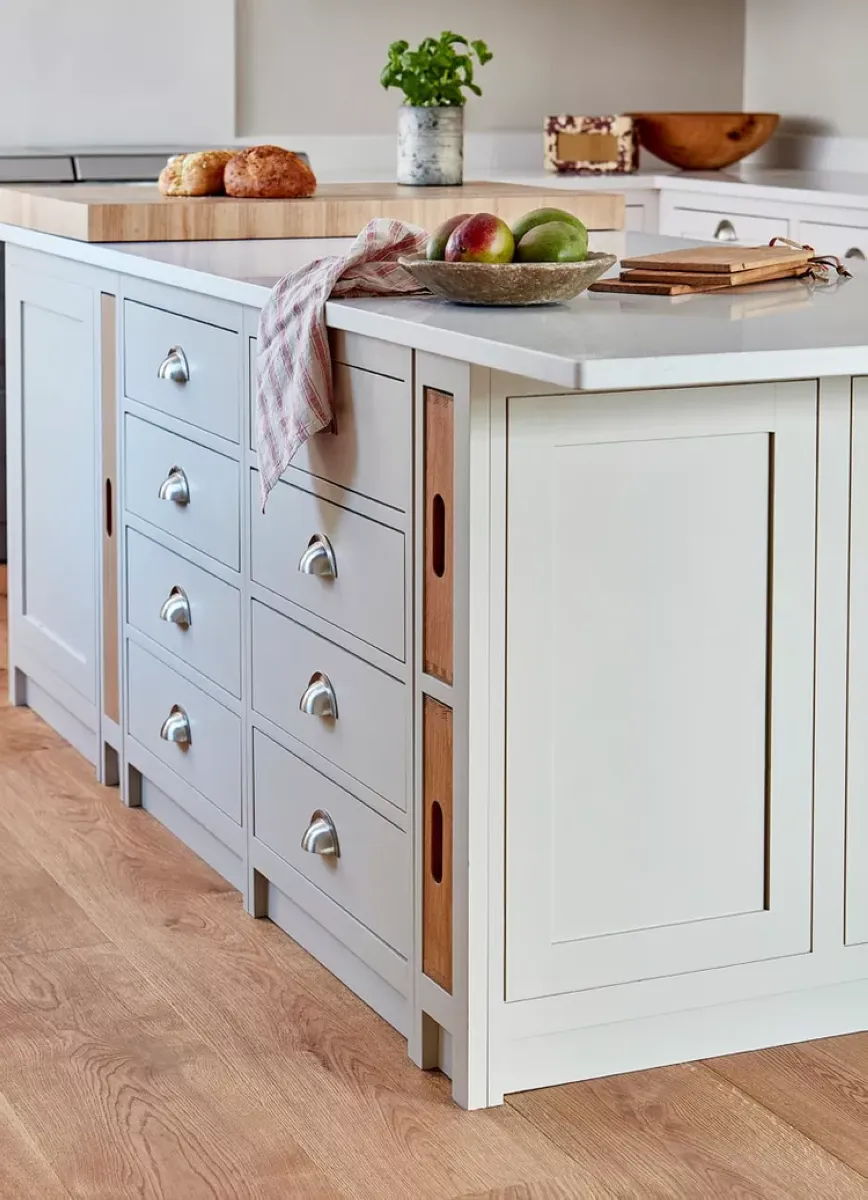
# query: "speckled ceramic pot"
{"points": [[431, 146]]}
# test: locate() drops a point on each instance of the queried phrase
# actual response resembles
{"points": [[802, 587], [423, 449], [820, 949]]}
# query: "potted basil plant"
{"points": [[433, 78]]}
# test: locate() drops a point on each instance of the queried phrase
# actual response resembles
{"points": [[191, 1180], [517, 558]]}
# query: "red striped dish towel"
{"points": [[294, 369]]}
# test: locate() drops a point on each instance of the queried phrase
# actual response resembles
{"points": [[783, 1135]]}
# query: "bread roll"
{"points": [[199, 174], [270, 173]]}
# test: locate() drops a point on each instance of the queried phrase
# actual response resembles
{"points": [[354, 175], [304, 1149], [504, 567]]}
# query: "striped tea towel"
{"points": [[294, 369]]}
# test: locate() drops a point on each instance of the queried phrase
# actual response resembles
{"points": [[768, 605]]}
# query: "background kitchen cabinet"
{"points": [[660, 553], [52, 327]]}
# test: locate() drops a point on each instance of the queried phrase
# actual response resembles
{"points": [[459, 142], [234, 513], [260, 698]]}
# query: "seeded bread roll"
{"points": [[199, 174], [269, 173]]}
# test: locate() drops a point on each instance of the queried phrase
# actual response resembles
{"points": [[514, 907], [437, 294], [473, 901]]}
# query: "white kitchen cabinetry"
{"points": [[53, 416], [857, 711], [828, 237], [659, 643]]}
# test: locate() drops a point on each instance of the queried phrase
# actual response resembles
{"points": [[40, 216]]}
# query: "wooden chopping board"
{"points": [[138, 213], [726, 260]]}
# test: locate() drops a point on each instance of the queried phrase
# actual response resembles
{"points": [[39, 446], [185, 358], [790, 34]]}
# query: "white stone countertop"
{"points": [[597, 342]]}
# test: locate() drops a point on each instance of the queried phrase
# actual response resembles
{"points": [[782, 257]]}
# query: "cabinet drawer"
{"points": [[370, 449], [368, 739], [724, 227], [847, 241], [210, 521], [211, 762], [210, 398], [161, 582], [365, 596], [369, 877]]}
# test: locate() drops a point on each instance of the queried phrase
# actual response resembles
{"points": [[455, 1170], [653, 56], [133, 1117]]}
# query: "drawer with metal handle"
{"points": [[846, 241], [734, 228], [184, 367], [188, 611], [184, 488], [342, 566], [189, 731], [339, 844], [348, 711]]}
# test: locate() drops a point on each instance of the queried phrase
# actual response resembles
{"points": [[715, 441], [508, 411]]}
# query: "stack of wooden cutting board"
{"points": [[705, 269]]}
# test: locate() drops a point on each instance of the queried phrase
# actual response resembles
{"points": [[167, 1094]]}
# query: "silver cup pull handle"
{"points": [[176, 727], [855, 252], [318, 698], [725, 232], [174, 366], [176, 609], [319, 558], [175, 487], [321, 836]]}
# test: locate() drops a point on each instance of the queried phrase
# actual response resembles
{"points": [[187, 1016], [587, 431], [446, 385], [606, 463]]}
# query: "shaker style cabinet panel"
{"points": [[660, 553], [53, 418], [856, 905]]}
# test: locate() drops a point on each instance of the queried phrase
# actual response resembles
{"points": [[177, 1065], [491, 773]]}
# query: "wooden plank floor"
{"points": [[156, 1042]]}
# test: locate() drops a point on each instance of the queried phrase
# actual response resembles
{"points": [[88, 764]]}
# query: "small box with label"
{"points": [[591, 145]]}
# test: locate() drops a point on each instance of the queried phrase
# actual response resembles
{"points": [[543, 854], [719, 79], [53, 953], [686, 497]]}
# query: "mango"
{"points": [[541, 216], [436, 247], [556, 241], [481, 238]]}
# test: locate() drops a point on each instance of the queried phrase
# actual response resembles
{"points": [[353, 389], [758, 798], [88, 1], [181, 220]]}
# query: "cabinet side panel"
{"points": [[111, 658], [437, 842], [439, 521]]}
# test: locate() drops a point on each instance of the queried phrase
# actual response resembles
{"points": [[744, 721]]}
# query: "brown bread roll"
{"points": [[199, 174], [270, 173]]}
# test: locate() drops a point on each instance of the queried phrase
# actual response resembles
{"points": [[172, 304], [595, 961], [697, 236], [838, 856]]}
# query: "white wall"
{"points": [[808, 60], [312, 66], [98, 72]]}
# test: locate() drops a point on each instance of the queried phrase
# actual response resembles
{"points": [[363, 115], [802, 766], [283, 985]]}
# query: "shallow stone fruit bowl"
{"points": [[508, 283]]}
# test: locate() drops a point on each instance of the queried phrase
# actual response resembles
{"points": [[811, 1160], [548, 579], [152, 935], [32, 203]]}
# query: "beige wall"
{"points": [[99, 72], [312, 66], [808, 60]]}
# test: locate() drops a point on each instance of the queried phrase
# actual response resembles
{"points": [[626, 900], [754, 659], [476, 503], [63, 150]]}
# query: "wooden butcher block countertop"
{"points": [[138, 213]]}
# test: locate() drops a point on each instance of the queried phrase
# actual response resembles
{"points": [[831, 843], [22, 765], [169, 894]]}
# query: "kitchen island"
{"points": [[533, 704]]}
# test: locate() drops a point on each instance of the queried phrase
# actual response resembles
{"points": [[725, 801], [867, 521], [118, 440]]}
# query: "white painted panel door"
{"points": [[857, 709], [53, 424], [660, 551]]}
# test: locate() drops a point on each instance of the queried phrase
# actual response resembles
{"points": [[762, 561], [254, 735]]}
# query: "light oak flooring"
{"points": [[157, 1042]]}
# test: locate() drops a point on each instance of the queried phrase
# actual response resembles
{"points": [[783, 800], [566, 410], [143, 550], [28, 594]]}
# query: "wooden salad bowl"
{"points": [[704, 141]]}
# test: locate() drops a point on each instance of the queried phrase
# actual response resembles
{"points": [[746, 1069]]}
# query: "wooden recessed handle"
{"points": [[437, 842]]}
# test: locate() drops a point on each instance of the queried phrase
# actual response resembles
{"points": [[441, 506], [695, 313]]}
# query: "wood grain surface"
{"points": [[138, 213], [437, 842], [155, 1042], [438, 599]]}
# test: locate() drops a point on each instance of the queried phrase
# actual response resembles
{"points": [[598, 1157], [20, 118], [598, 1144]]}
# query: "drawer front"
{"points": [[211, 762], [370, 450], [210, 521], [724, 227], [211, 397], [187, 610], [369, 877], [368, 739], [364, 596], [847, 241]]}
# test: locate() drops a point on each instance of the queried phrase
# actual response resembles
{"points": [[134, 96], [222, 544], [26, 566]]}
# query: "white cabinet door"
{"points": [[660, 551], [52, 420], [857, 709]]}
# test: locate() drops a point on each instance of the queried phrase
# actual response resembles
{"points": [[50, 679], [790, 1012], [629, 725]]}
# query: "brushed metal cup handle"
{"points": [[321, 836], [176, 727], [175, 487], [318, 698], [855, 252], [176, 609], [725, 232], [175, 366], [319, 558]]}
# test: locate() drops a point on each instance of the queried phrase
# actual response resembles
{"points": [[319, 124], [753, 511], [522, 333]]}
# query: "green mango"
{"points": [[542, 216], [555, 241]]}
